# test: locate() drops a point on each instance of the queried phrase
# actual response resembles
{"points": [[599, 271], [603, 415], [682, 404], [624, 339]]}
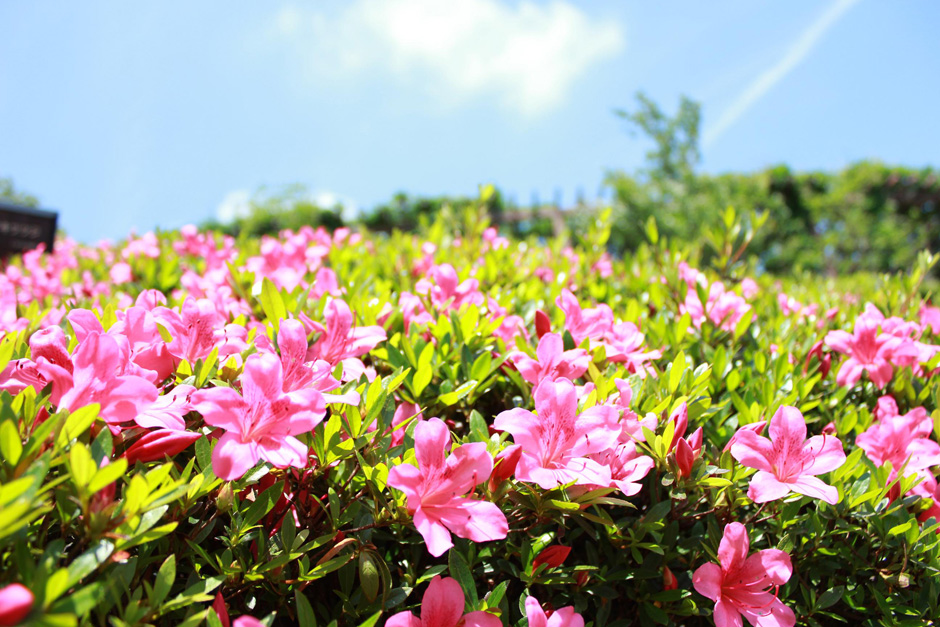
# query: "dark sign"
{"points": [[22, 228]]}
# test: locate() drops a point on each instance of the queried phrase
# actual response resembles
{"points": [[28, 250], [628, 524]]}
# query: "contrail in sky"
{"points": [[773, 75]]}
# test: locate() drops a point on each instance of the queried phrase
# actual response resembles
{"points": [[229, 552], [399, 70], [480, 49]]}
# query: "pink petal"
{"points": [[432, 442], [479, 521], [565, 617], [436, 536], [442, 604], [733, 548], [816, 488], [752, 450], [406, 478], [826, 453], [403, 619], [262, 378], [231, 459], [779, 615], [481, 619], [787, 431], [468, 466], [534, 613], [727, 615], [220, 407], [766, 487], [284, 452], [523, 425], [707, 580]]}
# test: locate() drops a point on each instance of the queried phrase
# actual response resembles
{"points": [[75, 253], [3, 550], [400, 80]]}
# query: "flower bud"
{"points": [[218, 606], [16, 601], [504, 467], [226, 497], [552, 556], [679, 416], [158, 444], [669, 580], [369, 575], [542, 324]]}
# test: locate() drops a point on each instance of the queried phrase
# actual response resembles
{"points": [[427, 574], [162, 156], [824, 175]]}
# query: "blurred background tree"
{"points": [[9, 193]]}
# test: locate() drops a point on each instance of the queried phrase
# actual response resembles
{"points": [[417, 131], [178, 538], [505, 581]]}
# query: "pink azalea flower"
{"points": [[788, 462], [745, 585], [261, 422], [902, 440], [447, 291], [584, 323], [624, 343], [627, 467], [436, 489], [631, 427], [558, 442], [869, 350], [930, 319], [341, 342], [564, 617], [97, 364], [552, 362], [442, 606], [724, 309]]}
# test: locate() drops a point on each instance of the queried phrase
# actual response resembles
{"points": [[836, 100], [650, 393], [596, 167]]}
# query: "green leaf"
{"points": [[272, 303], [77, 423], [11, 446], [421, 379], [165, 578], [460, 570], [305, 615], [372, 620], [451, 398]]}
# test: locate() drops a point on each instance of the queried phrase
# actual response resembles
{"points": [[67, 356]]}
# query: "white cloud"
{"points": [[795, 55], [236, 204], [526, 55]]}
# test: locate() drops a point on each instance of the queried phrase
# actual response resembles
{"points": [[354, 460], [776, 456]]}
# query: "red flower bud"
{"points": [[542, 324], [582, 577], [157, 444], [504, 466], [220, 610], [680, 416], [16, 601], [685, 458], [552, 556], [669, 580]]}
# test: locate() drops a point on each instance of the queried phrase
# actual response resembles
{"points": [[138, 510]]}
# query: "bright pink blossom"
{"points": [[447, 291], [558, 442], [261, 422], [442, 606], [564, 617], [788, 462], [584, 323], [552, 361], [97, 364], [624, 344], [870, 351], [436, 489], [901, 440], [745, 585], [341, 342]]}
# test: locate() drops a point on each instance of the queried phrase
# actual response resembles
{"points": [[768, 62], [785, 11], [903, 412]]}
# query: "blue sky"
{"points": [[134, 115]]}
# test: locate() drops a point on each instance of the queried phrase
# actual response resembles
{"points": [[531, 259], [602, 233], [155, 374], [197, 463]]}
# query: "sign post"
{"points": [[23, 228]]}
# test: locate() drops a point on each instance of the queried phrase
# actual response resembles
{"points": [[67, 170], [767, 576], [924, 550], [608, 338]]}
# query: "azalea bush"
{"points": [[455, 428]]}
